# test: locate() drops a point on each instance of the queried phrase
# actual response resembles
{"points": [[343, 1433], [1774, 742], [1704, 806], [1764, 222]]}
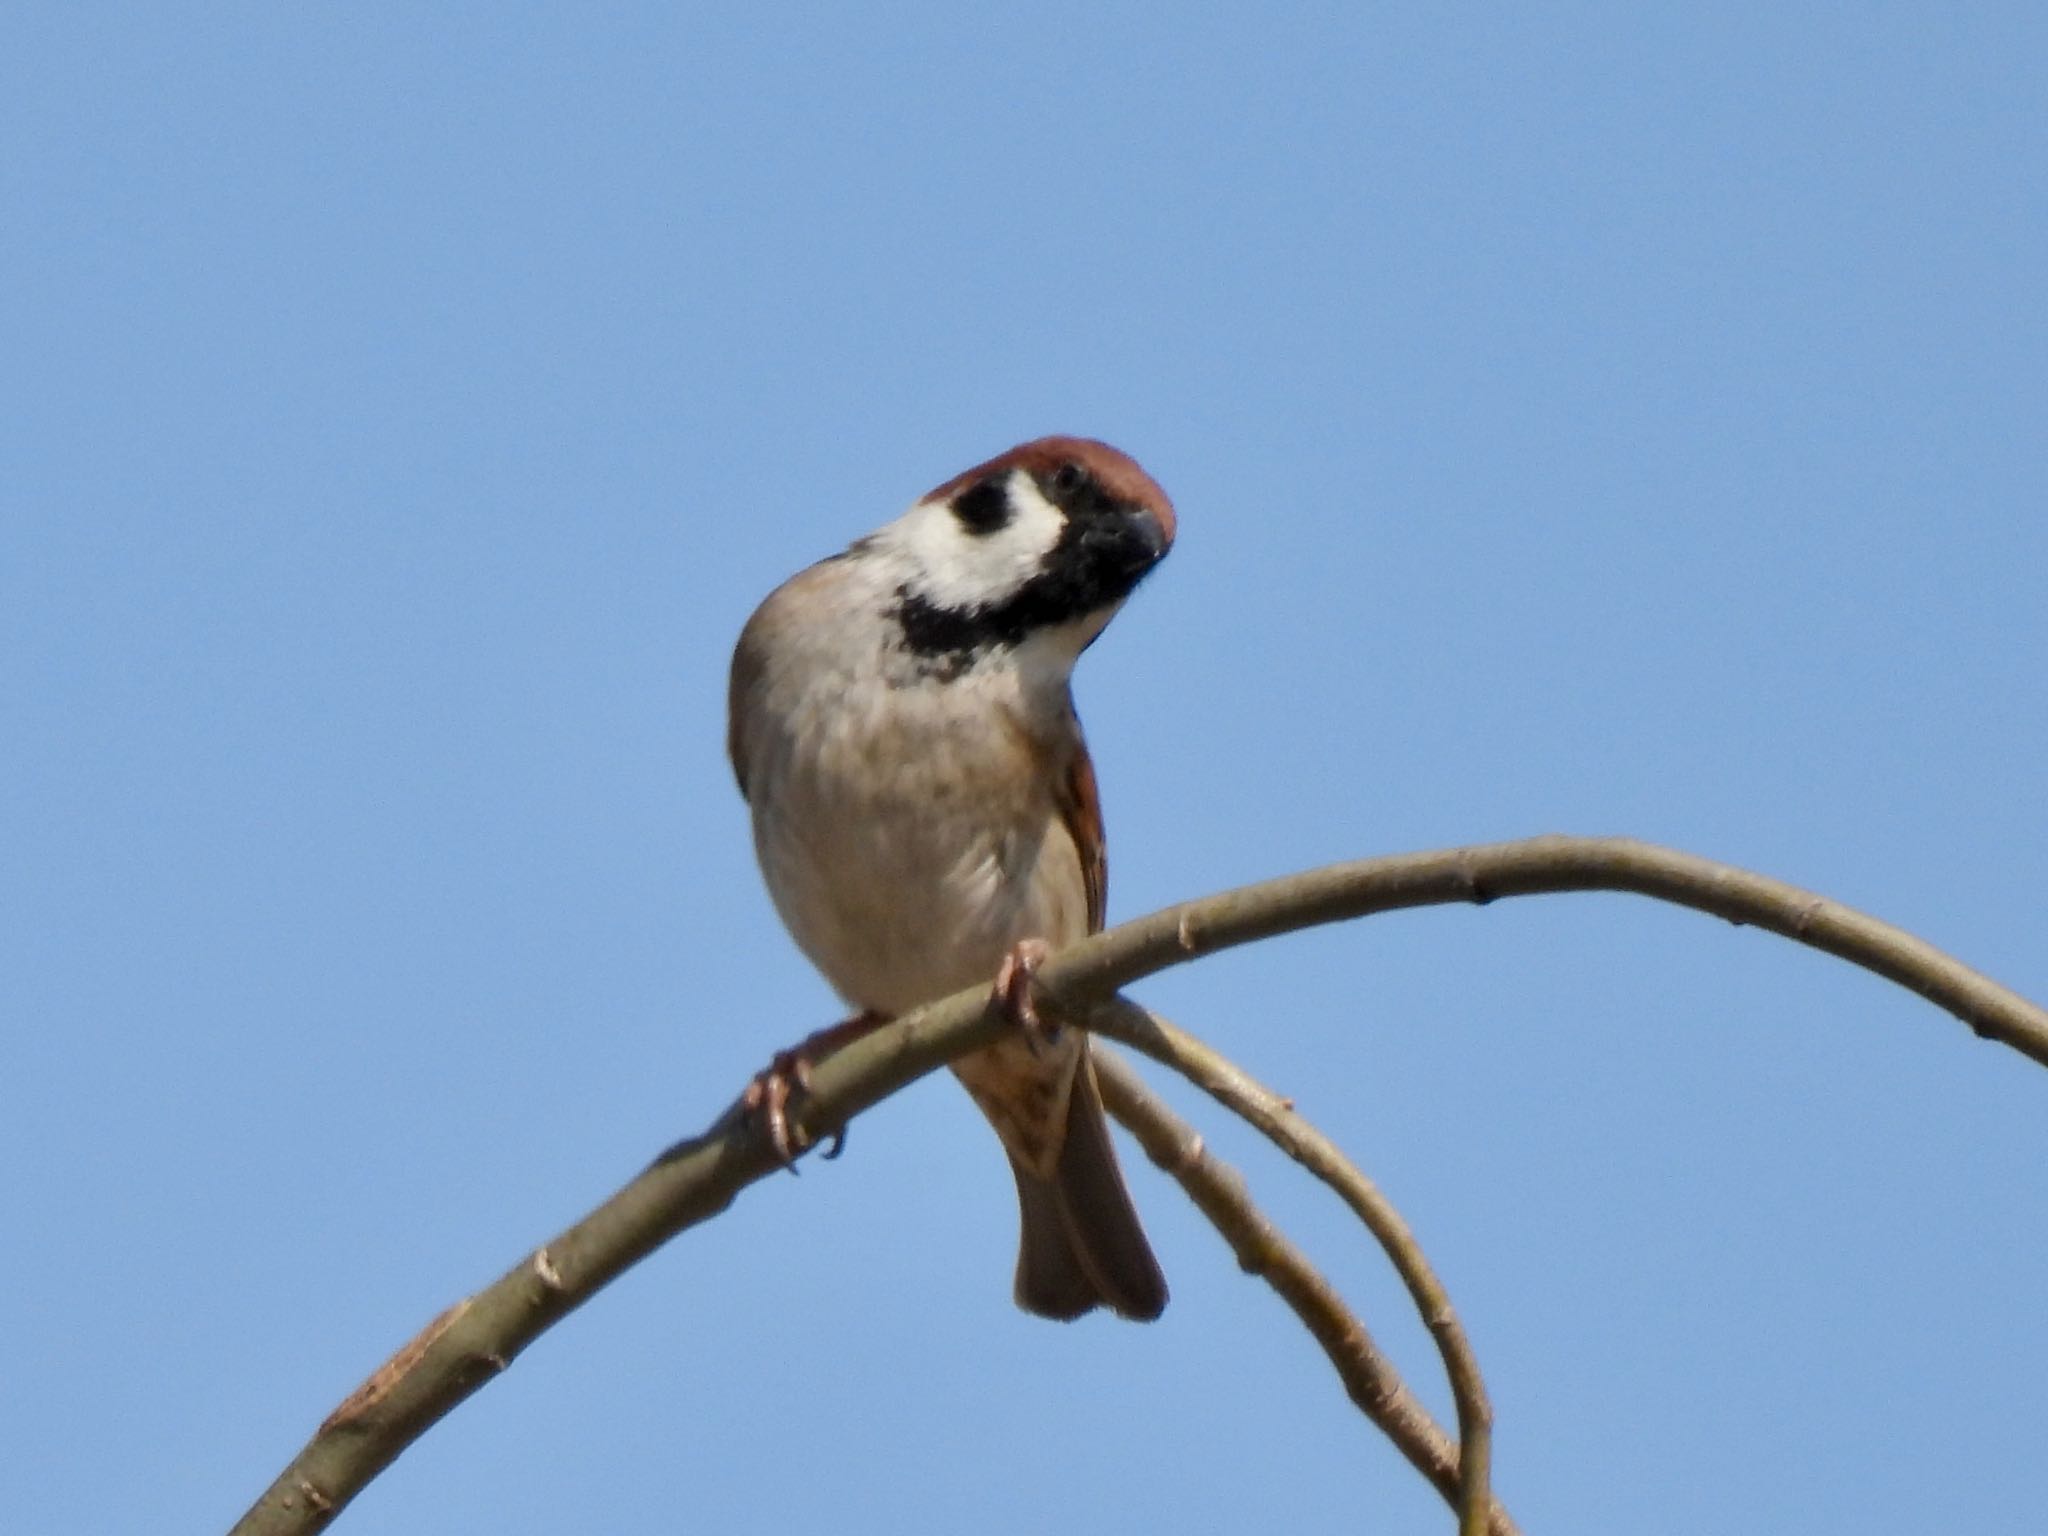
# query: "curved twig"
{"points": [[696, 1179], [1538, 866], [691, 1182], [1461, 1471]]}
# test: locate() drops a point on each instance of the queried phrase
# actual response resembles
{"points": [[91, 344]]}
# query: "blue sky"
{"points": [[1581, 418]]}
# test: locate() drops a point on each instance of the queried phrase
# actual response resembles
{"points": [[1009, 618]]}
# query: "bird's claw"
{"points": [[767, 1102], [1015, 979], [787, 1076]]}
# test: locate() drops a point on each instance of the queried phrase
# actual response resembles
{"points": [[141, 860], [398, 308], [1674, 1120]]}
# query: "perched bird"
{"points": [[926, 816]]}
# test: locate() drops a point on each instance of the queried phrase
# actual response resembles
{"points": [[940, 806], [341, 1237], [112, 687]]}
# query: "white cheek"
{"points": [[958, 569]]}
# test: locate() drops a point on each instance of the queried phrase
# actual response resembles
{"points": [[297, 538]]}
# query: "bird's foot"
{"points": [[787, 1076], [1015, 979]]}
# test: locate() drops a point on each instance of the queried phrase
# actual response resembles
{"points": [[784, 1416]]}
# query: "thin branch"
{"points": [[1235, 1089], [689, 1183], [696, 1179], [1459, 1472], [1537, 866]]}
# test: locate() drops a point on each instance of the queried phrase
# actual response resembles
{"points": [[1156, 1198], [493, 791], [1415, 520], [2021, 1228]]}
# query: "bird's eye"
{"points": [[1069, 478], [982, 508]]}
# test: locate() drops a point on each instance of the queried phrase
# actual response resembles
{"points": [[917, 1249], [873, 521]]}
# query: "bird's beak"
{"points": [[1153, 531]]}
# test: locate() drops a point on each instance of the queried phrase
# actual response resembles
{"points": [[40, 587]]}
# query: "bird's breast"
{"points": [[909, 840]]}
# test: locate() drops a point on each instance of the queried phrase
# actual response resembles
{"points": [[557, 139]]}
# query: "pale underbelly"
{"points": [[897, 908]]}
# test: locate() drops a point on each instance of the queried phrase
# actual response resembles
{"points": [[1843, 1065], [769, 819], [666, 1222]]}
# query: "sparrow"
{"points": [[926, 817]]}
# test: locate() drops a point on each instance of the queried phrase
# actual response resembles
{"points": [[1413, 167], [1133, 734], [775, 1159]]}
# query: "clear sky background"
{"points": [[1586, 418]]}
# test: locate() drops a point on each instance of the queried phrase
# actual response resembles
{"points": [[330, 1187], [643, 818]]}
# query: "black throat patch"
{"points": [[1090, 570]]}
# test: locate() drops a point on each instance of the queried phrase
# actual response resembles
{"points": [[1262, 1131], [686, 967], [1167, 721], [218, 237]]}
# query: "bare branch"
{"points": [[1538, 866], [691, 1182], [696, 1179], [1459, 1472]]}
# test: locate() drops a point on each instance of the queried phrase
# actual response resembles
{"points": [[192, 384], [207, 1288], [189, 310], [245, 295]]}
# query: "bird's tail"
{"points": [[1082, 1245]]}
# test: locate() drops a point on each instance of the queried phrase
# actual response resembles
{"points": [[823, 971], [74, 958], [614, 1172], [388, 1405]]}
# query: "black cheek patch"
{"points": [[984, 508]]}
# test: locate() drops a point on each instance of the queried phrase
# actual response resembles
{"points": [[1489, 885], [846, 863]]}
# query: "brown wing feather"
{"points": [[740, 685], [1080, 808], [735, 738], [1082, 1243]]}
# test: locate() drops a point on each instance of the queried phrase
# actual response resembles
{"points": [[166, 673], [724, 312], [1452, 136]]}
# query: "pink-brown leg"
{"points": [[1015, 978], [789, 1072]]}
